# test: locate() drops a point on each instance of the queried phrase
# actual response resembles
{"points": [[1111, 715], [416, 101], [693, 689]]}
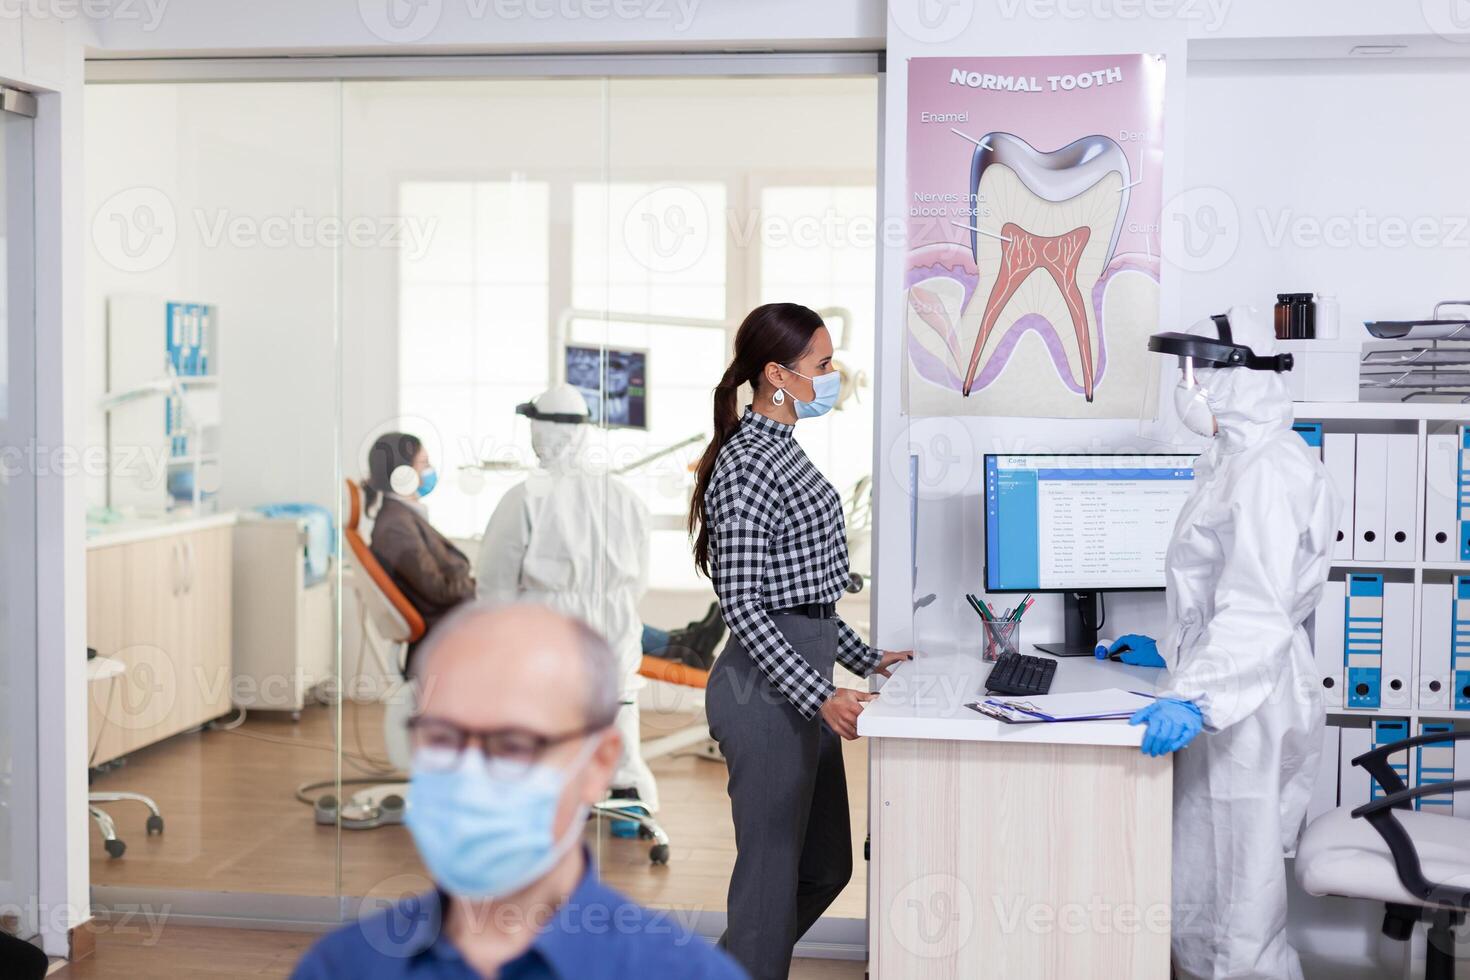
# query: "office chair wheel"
{"points": [[155, 824], [659, 854], [114, 847]]}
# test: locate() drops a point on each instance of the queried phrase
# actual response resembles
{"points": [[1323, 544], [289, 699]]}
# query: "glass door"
{"points": [[18, 843]]}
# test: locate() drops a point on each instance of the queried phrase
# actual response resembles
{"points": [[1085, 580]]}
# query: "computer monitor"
{"points": [[614, 382], [1081, 525]]}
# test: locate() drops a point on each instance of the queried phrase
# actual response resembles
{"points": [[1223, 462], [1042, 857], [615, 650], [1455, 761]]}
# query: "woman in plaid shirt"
{"points": [[769, 532]]}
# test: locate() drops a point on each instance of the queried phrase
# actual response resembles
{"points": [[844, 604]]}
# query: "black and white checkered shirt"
{"points": [[777, 540]]}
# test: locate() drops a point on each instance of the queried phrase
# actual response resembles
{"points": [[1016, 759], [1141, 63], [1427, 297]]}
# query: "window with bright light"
{"points": [[473, 333]]}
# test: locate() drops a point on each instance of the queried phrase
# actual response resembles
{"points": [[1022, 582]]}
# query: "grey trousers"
{"points": [[788, 795]]}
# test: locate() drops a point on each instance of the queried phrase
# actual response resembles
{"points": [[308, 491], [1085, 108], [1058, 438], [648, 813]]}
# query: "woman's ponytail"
{"points": [[775, 332]]}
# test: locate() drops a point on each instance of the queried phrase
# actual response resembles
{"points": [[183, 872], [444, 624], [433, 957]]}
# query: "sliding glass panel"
{"points": [[212, 578], [447, 328], [725, 193], [18, 851]]}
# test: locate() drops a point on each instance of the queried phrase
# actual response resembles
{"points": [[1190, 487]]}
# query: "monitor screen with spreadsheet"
{"points": [[1080, 523]]}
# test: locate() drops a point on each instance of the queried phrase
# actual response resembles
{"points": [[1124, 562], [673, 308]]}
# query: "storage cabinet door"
{"points": [[133, 616], [208, 597]]}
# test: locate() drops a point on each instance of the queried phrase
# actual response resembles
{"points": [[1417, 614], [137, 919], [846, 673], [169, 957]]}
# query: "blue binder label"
{"points": [[1363, 640], [1460, 644], [1436, 764], [1463, 488], [1385, 732]]}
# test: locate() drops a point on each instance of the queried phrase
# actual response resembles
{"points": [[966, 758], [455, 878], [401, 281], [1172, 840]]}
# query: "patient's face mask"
{"points": [[1191, 401], [485, 831]]}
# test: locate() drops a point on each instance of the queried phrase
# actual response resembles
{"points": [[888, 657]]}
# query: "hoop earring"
{"points": [[778, 397]]}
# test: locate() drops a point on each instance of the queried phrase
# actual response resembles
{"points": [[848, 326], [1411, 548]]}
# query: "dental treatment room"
{"points": [[829, 490]]}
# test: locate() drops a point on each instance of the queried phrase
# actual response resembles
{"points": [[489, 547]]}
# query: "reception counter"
{"points": [[1013, 850]]}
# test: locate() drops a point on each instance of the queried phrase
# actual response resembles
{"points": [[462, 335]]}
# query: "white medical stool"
{"points": [[1416, 863], [109, 669]]}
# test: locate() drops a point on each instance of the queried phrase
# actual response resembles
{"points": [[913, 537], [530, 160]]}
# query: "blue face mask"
{"points": [[825, 388], [485, 836], [427, 480]]}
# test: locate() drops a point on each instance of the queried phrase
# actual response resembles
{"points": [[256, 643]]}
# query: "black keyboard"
{"points": [[1020, 675]]}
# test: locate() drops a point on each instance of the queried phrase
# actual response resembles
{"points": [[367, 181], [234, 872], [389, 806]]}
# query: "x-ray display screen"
{"points": [[613, 381]]}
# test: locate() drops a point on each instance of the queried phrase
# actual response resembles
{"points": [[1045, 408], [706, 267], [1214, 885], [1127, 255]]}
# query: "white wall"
{"points": [[45, 55], [1343, 178], [279, 26]]}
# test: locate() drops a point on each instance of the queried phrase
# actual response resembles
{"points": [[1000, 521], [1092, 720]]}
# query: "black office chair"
{"points": [[1417, 864]]}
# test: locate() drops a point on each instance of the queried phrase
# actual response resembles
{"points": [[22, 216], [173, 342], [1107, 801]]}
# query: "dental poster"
{"points": [[1034, 206]]}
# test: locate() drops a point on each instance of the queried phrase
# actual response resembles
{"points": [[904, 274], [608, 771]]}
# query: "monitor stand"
{"points": [[1079, 627]]}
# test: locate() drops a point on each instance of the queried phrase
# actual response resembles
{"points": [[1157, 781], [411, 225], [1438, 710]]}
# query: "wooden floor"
{"points": [[175, 952], [233, 824]]}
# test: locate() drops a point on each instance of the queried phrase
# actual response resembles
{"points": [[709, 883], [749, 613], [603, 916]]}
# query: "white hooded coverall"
{"points": [[577, 540], [1244, 569]]}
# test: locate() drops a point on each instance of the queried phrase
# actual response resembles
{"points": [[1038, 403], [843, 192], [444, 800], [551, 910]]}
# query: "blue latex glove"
{"points": [[1135, 649], [1172, 724]]}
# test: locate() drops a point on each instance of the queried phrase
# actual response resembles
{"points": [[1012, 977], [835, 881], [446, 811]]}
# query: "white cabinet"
{"points": [[284, 629]]}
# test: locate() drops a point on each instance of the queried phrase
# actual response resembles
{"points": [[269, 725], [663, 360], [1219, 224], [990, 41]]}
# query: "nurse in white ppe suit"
{"points": [[576, 539], [1244, 569]]}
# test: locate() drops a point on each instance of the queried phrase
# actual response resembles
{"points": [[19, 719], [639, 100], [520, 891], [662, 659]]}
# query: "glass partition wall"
{"points": [[422, 256]]}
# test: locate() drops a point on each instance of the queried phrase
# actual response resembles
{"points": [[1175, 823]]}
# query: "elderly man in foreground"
{"points": [[513, 741]]}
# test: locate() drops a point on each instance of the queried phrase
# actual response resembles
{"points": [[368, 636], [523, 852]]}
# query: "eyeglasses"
{"points": [[438, 745]]}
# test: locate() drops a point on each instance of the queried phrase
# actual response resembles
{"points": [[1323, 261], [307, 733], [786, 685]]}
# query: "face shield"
{"points": [[1200, 356]]}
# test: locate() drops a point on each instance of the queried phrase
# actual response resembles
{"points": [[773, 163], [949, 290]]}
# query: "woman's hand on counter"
{"points": [[841, 710], [891, 657]]}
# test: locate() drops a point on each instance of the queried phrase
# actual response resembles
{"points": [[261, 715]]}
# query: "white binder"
{"points": [[1441, 474], [1462, 771], [1339, 451], [1353, 781], [1369, 489], [1401, 498], [1398, 645], [1324, 790], [1434, 646], [1327, 637]]}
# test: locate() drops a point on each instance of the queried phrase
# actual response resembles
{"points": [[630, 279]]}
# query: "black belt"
{"points": [[811, 610]]}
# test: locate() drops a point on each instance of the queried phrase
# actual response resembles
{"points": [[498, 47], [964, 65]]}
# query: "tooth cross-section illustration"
{"points": [[1060, 211]]}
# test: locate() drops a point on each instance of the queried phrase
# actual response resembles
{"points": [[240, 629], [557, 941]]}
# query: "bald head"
{"points": [[517, 666]]}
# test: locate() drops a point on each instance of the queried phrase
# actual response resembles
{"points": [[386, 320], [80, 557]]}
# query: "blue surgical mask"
{"points": [[825, 388], [486, 836], [427, 480]]}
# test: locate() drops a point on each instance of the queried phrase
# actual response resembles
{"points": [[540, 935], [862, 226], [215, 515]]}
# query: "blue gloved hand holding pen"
{"points": [[1132, 648], [1172, 724]]}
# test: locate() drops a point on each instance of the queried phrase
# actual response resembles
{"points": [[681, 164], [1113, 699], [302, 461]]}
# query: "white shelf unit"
{"points": [[141, 384], [1421, 418]]}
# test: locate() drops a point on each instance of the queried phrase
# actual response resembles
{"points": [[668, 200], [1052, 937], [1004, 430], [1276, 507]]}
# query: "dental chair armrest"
{"points": [[1377, 764], [1380, 814]]}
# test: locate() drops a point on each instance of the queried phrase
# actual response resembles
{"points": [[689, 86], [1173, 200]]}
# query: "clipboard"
{"points": [[1112, 704]]}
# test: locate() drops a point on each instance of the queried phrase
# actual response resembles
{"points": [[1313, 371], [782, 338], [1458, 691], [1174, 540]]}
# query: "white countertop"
{"points": [[925, 698], [142, 528]]}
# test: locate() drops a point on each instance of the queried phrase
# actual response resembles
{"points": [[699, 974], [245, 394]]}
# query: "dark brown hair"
{"points": [[390, 451], [779, 332]]}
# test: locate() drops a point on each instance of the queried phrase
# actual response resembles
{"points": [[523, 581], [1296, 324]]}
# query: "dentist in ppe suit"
{"points": [[1244, 569], [574, 538]]}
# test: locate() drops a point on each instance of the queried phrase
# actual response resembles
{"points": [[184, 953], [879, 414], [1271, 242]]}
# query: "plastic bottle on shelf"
{"points": [[1327, 316], [1282, 316]]}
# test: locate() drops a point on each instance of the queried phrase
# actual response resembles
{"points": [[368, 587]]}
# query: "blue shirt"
{"points": [[597, 933]]}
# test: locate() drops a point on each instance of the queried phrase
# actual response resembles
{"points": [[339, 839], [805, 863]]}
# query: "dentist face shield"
{"points": [[825, 389], [1195, 352], [486, 829]]}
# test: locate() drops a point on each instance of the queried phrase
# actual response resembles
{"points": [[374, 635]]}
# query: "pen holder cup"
{"points": [[1000, 636]]}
